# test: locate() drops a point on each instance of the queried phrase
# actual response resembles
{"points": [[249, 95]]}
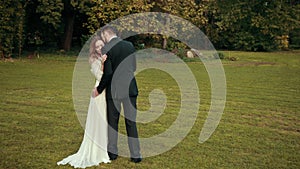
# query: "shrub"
{"points": [[232, 58], [219, 55]]}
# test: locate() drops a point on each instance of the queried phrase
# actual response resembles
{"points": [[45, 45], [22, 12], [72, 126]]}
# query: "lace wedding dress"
{"points": [[93, 149]]}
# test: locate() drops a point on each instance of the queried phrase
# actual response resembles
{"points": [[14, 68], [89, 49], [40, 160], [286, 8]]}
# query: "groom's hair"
{"points": [[109, 29]]}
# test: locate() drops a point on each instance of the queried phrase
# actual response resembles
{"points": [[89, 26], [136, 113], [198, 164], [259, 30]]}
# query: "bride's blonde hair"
{"points": [[93, 54]]}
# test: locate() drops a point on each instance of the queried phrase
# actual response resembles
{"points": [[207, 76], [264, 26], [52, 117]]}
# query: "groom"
{"points": [[120, 84]]}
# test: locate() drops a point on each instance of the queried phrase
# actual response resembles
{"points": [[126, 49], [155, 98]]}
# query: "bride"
{"points": [[93, 149]]}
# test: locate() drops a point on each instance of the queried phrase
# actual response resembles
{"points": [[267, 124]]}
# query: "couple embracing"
{"points": [[113, 64]]}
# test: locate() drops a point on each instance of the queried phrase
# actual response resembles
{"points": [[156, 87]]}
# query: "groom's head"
{"points": [[108, 32]]}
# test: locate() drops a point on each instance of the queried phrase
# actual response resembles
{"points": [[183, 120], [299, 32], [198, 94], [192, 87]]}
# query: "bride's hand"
{"points": [[95, 93], [103, 58]]}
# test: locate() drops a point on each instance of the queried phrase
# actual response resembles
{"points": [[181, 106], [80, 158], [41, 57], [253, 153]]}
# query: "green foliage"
{"points": [[238, 25], [187, 9], [12, 26], [252, 26], [219, 55], [50, 11], [295, 39], [39, 23], [103, 12]]}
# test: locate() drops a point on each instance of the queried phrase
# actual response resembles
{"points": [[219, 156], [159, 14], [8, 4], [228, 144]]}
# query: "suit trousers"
{"points": [[113, 114]]}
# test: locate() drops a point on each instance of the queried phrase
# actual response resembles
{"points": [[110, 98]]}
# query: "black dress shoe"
{"points": [[136, 160], [112, 156]]}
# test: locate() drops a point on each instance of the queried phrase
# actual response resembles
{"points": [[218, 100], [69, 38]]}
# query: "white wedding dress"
{"points": [[93, 149]]}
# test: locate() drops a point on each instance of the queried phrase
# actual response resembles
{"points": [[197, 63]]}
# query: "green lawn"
{"points": [[260, 127]]}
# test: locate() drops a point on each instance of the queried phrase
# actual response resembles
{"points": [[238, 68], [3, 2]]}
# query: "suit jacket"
{"points": [[119, 67]]}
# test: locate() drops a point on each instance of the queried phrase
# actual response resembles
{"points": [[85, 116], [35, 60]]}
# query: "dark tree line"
{"points": [[255, 25]]}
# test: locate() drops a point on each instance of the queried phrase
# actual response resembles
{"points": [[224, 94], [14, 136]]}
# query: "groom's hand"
{"points": [[95, 92]]}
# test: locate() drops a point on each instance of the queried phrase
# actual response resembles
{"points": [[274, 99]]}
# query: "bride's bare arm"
{"points": [[96, 67]]}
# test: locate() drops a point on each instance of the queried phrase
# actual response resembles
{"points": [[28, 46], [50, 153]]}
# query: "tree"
{"points": [[254, 25], [103, 12], [12, 26], [61, 14], [190, 10]]}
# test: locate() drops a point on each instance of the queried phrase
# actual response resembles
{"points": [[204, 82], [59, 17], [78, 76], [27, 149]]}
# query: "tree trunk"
{"points": [[67, 42], [69, 20]]}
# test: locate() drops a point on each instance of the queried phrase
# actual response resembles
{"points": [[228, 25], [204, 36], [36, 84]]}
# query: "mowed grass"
{"points": [[260, 127]]}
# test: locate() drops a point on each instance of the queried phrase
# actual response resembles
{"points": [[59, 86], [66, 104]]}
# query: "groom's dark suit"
{"points": [[120, 84]]}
